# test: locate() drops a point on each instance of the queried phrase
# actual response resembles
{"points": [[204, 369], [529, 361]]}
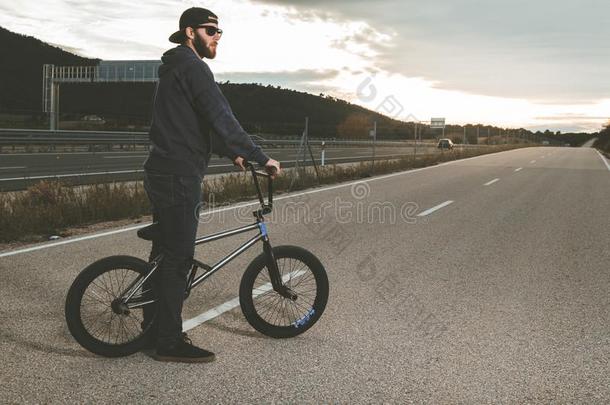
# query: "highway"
{"points": [[19, 170], [483, 280]]}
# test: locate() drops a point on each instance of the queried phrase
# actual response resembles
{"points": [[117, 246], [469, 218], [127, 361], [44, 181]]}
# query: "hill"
{"points": [[21, 70], [127, 106]]}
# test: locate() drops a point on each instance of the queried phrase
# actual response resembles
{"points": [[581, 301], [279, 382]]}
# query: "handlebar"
{"points": [[266, 207]]}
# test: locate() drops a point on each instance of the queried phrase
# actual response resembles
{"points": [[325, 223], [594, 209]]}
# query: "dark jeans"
{"points": [[176, 202]]}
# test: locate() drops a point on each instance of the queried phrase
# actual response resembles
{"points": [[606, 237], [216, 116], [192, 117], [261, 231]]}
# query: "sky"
{"points": [[535, 64]]}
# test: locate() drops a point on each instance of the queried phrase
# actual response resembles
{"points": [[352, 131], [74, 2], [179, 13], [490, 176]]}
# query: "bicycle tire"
{"points": [[97, 275], [255, 299]]}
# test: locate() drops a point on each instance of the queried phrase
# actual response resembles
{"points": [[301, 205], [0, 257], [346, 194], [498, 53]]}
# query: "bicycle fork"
{"points": [[274, 272]]}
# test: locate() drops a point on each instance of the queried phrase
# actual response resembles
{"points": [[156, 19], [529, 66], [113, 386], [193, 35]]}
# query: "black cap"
{"points": [[192, 17]]}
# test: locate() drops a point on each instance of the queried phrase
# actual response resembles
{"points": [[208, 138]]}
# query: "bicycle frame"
{"points": [[192, 282]]}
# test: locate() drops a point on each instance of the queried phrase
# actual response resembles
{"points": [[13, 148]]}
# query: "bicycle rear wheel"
{"points": [[271, 313], [93, 316]]}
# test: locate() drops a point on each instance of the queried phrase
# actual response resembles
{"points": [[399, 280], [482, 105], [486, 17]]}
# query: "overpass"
{"points": [[114, 71]]}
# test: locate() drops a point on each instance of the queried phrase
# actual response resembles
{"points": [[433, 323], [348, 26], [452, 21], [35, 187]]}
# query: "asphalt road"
{"points": [[490, 287], [19, 170]]}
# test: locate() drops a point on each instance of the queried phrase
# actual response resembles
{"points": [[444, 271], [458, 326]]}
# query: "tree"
{"points": [[603, 138], [355, 125]]}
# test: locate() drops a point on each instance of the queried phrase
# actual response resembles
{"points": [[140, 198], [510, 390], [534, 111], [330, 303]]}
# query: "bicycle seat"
{"points": [[150, 232]]}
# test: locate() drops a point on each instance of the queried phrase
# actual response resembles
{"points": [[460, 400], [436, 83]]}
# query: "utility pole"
{"points": [[464, 141]]}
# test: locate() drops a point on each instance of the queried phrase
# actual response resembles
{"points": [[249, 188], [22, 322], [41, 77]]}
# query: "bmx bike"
{"points": [[282, 293]]}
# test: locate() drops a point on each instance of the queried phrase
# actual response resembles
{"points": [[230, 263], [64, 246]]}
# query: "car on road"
{"points": [[445, 144]]}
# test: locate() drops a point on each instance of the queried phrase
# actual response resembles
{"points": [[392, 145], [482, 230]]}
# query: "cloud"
{"points": [[499, 61], [546, 51], [572, 117]]}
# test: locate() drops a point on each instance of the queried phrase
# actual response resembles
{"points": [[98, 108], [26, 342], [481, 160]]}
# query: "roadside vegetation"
{"points": [[603, 139], [52, 207]]}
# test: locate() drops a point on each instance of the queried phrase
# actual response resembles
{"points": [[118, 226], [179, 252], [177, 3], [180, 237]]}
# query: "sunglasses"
{"points": [[210, 31]]}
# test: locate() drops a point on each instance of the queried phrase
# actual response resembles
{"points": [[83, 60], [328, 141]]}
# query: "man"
{"points": [[190, 118]]}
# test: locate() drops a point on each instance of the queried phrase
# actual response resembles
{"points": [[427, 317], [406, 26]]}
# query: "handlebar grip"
{"points": [[271, 170], [268, 170]]}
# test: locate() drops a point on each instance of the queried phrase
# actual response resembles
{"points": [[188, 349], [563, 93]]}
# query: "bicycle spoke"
{"points": [[280, 312], [101, 288], [119, 330], [273, 305], [95, 332], [110, 282], [136, 321], [303, 278], [263, 291], [111, 285], [270, 301], [97, 317], [125, 272], [276, 311], [93, 298], [301, 307], [267, 298], [280, 269], [293, 312]]}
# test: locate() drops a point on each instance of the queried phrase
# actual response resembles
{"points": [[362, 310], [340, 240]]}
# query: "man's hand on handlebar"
{"points": [[240, 162], [273, 168]]}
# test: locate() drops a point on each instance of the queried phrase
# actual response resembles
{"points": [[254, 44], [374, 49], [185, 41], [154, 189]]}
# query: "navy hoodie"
{"points": [[192, 118]]}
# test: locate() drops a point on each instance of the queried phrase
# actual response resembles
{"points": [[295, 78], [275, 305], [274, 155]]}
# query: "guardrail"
{"points": [[45, 137], [30, 137]]}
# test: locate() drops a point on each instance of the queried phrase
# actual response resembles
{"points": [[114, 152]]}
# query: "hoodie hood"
{"points": [[176, 57]]}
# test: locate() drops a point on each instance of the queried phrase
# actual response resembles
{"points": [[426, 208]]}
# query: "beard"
{"points": [[204, 50]]}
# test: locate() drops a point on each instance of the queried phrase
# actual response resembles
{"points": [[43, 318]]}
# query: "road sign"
{"points": [[437, 123]]}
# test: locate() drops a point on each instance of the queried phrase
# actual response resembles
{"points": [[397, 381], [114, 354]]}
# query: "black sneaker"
{"points": [[150, 343], [183, 351]]}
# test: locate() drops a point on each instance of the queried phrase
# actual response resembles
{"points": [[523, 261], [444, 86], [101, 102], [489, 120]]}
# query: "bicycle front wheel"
{"points": [[273, 314], [93, 314]]}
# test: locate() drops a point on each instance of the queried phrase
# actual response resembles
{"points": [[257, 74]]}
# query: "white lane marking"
{"points": [[229, 305], [603, 159], [13, 167], [125, 157], [248, 204], [533, 161], [518, 169], [489, 183], [64, 242], [435, 208]]}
